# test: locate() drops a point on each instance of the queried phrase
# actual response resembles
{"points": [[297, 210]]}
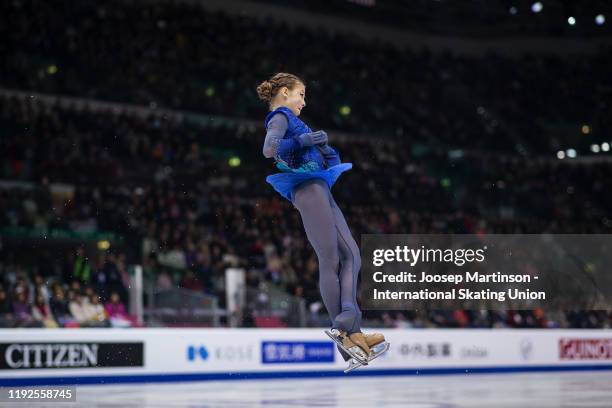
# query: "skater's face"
{"points": [[294, 99]]}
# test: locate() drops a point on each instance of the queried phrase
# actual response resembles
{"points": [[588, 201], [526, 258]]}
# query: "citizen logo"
{"points": [[70, 355], [51, 355]]}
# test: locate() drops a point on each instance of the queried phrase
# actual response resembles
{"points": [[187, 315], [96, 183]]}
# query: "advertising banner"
{"points": [[107, 355]]}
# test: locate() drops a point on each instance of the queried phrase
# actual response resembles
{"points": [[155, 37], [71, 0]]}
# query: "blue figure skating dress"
{"points": [[303, 164]]}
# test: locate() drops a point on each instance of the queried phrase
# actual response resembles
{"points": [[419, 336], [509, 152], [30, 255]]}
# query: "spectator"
{"points": [[6, 310], [23, 311], [81, 268], [116, 312], [75, 305], [191, 282], [41, 312], [164, 281], [40, 287], [95, 311], [60, 309]]}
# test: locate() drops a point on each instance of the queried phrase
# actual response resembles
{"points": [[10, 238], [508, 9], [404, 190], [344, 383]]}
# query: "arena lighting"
{"points": [[571, 21], [586, 129], [571, 153], [103, 245], [595, 148], [234, 161], [345, 110], [605, 147], [600, 19], [560, 155], [513, 10], [537, 7]]}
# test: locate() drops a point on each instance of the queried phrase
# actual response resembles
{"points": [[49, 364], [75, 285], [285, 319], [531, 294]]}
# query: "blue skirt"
{"points": [[285, 182]]}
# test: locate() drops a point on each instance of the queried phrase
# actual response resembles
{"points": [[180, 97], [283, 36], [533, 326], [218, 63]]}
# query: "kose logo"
{"points": [[70, 355], [585, 349], [200, 351], [225, 353]]}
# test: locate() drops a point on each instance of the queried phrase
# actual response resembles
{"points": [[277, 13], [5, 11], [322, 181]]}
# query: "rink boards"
{"points": [[55, 356]]}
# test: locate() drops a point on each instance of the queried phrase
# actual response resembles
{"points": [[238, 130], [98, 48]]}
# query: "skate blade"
{"points": [[379, 350], [353, 365], [357, 357]]}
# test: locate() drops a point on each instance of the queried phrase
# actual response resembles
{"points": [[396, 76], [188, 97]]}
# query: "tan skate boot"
{"points": [[372, 339], [353, 345], [360, 340]]}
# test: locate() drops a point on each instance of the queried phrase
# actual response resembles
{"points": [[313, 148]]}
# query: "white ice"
{"points": [[541, 390]]}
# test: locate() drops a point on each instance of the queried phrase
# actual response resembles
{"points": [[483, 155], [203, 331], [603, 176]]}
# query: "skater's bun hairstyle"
{"points": [[268, 89]]}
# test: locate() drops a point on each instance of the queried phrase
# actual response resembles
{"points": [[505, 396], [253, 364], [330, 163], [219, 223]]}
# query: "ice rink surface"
{"points": [[541, 390]]}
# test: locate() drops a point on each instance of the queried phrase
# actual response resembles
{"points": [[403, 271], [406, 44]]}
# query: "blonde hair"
{"points": [[268, 89]]}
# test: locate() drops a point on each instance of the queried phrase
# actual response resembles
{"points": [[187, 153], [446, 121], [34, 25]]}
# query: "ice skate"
{"points": [[372, 339], [354, 345], [378, 345]]}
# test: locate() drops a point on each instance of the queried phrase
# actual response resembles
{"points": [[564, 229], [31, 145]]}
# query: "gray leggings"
{"points": [[337, 252]]}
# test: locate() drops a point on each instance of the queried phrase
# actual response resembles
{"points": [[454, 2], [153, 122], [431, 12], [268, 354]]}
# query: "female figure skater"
{"points": [[309, 168]]}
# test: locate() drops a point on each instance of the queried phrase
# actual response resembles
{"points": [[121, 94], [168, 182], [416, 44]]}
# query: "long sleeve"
{"points": [[274, 145], [331, 155]]}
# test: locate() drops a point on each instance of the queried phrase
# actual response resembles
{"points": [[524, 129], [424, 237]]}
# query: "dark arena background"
{"points": [[146, 262]]}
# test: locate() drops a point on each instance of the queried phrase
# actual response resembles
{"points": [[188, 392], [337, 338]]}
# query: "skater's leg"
{"points": [[312, 201], [349, 318]]}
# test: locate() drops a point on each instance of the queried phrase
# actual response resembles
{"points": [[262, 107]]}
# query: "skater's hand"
{"points": [[312, 138], [331, 156], [326, 149]]}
